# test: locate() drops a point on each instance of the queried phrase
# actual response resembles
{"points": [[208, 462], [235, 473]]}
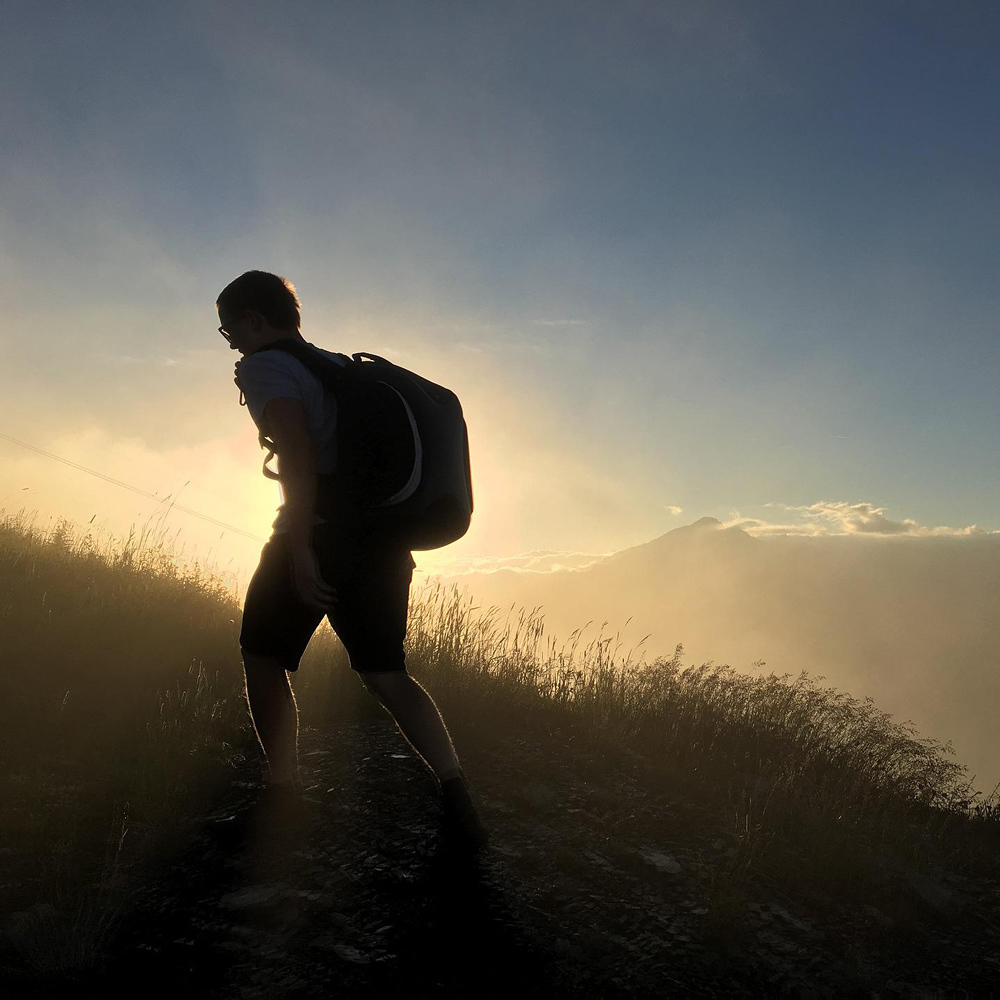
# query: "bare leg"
{"points": [[275, 717], [420, 722], [418, 719]]}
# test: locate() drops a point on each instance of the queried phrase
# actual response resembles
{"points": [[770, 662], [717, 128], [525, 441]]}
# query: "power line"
{"points": [[134, 489]]}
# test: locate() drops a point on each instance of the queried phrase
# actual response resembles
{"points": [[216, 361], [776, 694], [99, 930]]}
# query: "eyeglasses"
{"points": [[222, 329]]}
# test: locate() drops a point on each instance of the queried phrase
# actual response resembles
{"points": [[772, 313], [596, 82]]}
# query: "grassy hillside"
{"points": [[909, 621], [122, 712]]}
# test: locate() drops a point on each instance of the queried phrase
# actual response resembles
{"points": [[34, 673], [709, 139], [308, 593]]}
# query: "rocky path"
{"points": [[350, 898], [594, 885], [354, 897]]}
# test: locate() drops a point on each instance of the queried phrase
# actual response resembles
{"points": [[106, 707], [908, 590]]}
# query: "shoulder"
{"points": [[283, 362], [269, 361], [273, 373]]}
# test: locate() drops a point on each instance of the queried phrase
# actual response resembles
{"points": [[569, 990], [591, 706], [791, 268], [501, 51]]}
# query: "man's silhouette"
{"points": [[312, 567]]}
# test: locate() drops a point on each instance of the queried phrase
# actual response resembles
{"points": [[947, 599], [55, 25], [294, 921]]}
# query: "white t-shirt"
{"points": [[278, 375]]}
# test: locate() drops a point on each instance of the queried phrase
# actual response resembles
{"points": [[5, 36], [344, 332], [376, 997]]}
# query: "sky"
{"points": [[677, 259]]}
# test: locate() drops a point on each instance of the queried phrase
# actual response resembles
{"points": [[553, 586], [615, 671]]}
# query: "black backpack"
{"points": [[402, 450]]}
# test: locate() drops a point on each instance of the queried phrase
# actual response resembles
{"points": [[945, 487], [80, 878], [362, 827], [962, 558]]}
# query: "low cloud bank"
{"points": [[539, 561], [830, 518]]}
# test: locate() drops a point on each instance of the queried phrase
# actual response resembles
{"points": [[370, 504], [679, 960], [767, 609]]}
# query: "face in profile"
{"points": [[234, 329]]}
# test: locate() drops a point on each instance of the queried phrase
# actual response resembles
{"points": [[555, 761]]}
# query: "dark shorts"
{"points": [[373, 590]]}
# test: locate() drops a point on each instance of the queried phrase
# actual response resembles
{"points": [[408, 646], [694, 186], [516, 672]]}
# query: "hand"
{"points": [[236, 372], [313, 591]]}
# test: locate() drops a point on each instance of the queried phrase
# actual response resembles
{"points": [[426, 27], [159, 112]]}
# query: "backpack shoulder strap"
{"points": [[329, 373]]}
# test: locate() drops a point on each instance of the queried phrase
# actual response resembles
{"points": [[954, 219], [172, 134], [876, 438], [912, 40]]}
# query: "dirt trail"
{"points": [[357, 897], [590, 887]]}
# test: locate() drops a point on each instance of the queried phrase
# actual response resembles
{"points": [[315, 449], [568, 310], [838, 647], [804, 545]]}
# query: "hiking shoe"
{"points": [[462, 827]]}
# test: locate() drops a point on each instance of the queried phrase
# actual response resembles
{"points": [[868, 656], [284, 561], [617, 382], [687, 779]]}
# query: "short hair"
{"points": [[272, 296]]}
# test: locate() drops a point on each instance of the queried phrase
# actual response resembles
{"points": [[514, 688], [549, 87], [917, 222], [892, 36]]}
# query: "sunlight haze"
{"points": [[679, 261]]}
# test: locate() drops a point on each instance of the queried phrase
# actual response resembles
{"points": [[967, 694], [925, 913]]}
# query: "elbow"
{"points": [[297, 467]]}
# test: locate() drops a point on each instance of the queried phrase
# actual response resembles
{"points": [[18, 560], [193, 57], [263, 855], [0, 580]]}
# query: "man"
{"points": [[312, 567]]}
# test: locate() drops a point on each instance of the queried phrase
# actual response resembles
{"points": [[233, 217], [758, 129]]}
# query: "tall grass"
{"points": [[119, 710], [122, 700], [709, 717]]}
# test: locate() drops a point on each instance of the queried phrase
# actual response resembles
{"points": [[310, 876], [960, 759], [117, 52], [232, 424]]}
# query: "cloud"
{"points": [[856, 519], [673, 509], [756, 527], [838, 517], [559, 322], [535, 562]]}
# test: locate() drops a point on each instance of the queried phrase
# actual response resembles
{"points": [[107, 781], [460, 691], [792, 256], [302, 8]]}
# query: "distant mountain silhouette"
{"points": [[687, 540]]}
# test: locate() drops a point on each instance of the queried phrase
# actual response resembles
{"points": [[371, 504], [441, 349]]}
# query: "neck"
{"points": [[274, 335]]}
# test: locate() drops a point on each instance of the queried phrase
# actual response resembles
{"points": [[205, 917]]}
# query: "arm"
{"points": [[286, 419]]}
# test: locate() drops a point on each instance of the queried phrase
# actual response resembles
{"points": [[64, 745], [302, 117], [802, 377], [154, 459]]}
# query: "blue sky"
{"points": [[706, 256]]}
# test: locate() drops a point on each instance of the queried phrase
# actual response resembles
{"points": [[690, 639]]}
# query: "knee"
{"points": [[261, 669], [386, 683]]}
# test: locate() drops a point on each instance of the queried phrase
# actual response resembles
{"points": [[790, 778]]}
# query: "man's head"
{"points": [[257, 308]]}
